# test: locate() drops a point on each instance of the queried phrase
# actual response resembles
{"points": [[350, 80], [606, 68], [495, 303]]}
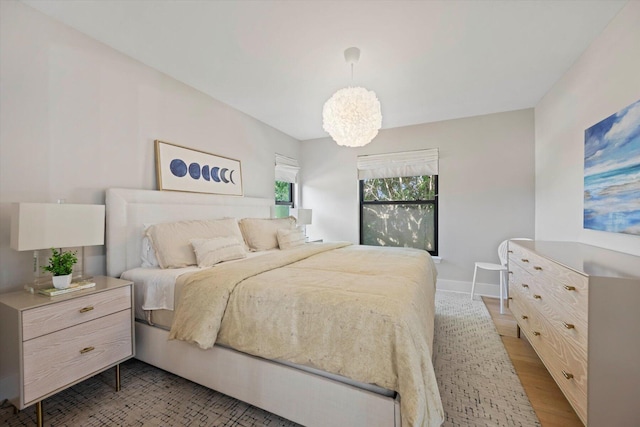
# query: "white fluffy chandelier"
{"points": [[352, 115]]}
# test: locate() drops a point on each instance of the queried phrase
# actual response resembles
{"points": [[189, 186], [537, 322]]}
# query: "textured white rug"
{"points": [[477, 382]]}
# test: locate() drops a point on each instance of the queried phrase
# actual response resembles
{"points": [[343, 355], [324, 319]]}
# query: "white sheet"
{"points": [[154, 287]]}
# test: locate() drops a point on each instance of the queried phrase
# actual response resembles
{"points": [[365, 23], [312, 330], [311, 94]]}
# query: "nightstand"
{"points": [[52, 343]]}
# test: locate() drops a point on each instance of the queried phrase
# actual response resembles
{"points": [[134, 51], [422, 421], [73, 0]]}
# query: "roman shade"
{"points": [[286, 169], [407, 163]]}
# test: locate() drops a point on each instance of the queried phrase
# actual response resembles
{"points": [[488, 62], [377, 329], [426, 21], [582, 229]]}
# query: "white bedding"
{"points": [[154, 287]]}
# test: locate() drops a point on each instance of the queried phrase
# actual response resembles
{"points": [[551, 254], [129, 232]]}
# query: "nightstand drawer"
{"points": [[56, 360], [54, 317]]}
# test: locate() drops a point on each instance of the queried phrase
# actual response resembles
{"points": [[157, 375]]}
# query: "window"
{"points": [[400, 211], [284, 193], [286, 173], [399, 199]]}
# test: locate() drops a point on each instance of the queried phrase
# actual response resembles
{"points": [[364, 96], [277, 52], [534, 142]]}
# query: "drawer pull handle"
{"points": [[84, 310], [524, 285], [570, 288], [536, 296], [567, 375], [568, 325], [536, 333], [524, 260], [509, 251], [524, 317], [87, 350], [510, 272], [535, 267]]}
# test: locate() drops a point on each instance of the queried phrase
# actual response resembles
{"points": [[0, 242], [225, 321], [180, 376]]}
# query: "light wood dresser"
{"points": [[579, 307], [51, 343]]}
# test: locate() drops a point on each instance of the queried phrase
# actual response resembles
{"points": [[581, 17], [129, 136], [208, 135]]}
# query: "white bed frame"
{"points": [[300, 396]]}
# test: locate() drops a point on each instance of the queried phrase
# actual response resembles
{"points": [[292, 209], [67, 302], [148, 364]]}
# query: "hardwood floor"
{"points": [[547, 400]]}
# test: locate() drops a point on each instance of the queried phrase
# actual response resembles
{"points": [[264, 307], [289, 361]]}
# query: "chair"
{"points": [[502, 268]]}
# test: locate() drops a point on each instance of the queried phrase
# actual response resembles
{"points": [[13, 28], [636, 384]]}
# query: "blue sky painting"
{"points": [[612, 173]]}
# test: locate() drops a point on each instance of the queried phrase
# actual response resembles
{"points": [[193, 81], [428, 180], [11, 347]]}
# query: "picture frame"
{"points": [[185, 169], [612, 172]]}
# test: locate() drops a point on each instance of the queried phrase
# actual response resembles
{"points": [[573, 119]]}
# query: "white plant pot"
{"points": [[61, 282]]}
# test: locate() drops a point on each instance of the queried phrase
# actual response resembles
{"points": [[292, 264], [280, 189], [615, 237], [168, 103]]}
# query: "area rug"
{"points": [[477, 382]]}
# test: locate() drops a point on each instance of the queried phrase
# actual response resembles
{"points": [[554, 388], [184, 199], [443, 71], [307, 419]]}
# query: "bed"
{"points": [[323, 381]]}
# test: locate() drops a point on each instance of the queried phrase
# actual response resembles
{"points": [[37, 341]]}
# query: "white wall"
{"points": [[77, 117], [486, 185], [604, 80]]}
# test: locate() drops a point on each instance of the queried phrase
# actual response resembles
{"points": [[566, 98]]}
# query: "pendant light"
{"points": [[352, 115]]}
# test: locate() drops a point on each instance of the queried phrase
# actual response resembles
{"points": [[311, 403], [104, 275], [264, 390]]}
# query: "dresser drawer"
{"points": [[54, 317], [568, 286], [56, 360], [521, 312], [561, 357], [519, 279], [556, 353], [568, 323]]}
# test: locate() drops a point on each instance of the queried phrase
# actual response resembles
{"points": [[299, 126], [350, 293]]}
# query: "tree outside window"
{"points": [[400, 211]]}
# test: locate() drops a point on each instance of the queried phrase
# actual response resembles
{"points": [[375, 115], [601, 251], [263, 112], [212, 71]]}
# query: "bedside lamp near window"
{"points": [[303, 217], [36, 226]]}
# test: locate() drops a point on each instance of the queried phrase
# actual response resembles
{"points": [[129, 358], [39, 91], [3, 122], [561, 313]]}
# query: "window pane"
{"points": [[401, 188], [283, 191], [399, 225]]}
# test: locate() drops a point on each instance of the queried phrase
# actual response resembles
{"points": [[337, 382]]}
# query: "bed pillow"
{"points": [[290, 238], [170, 240], [148, 255], [261, 233], [210, 252]]}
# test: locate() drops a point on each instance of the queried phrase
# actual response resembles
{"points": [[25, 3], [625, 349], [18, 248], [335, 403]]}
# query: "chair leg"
{"points": [[473, 284]]}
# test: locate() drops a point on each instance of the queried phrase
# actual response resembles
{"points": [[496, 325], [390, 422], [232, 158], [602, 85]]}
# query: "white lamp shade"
{"points": [[47, 225], [303, 216], [352, 116]]}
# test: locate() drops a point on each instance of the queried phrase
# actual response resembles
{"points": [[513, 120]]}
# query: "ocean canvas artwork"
{"points": [[612, 173]]}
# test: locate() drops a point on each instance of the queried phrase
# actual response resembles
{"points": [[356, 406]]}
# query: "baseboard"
{"points": [[483, 289]]}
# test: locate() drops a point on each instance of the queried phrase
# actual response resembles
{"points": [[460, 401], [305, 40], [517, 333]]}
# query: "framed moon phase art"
{"points": [[184, 169]]}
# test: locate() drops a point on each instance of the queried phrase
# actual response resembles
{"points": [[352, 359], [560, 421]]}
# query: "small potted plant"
{"points": [[61, 266]]}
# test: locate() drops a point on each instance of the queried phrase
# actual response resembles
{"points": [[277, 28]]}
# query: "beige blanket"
{"points": [[359, 311]]}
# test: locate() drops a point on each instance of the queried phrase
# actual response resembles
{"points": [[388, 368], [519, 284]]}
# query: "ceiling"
{"points": [[279, 61]]}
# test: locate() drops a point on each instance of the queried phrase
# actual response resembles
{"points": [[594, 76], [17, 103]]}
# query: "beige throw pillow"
{"points": [[290, 238], [171, 240], [260, 233], [210, 252]]}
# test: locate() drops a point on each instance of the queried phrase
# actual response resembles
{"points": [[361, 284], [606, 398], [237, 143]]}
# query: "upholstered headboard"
{"points": [[128, 210]]}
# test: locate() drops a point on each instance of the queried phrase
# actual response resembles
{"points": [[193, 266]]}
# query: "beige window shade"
{"points": [[407, 163], [286, 169]]}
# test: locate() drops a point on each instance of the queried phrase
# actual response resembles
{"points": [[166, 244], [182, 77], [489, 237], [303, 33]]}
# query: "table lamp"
{"points": [[303, 217], [36, 226]]}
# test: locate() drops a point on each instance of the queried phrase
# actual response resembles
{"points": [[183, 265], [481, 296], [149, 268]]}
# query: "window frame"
{"points": [[291, 200], [433, 202]]}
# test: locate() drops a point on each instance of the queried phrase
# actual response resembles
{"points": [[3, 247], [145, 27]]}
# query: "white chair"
{"points": [[502, 268]]}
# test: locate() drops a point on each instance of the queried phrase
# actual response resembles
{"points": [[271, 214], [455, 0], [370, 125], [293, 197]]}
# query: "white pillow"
{"points": [[290, 238], [170, 240], [148, 255], [260, 233], [210, 252]]}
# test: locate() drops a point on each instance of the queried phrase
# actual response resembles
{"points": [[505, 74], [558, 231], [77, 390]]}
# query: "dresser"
{"points": [[579, 307], [51, 343]]}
